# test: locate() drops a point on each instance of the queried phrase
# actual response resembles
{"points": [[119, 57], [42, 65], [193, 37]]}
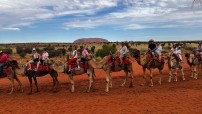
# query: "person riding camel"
{"points": [[151, 48], [3, 60], [122, 51], [43, 59], [177, 52], [35, 59], [199, 49], [158, 50], [73, 58]]}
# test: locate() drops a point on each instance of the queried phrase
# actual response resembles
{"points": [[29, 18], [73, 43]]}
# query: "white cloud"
{"points": [[10, 29], [135, 14]]}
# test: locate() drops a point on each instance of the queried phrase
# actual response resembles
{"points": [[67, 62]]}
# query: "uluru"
{"points": [[87, 40]]}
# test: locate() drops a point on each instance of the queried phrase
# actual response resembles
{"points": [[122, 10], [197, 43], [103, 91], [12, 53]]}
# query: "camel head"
{"points": [[89, 57], [14, 64], [135, 53]]}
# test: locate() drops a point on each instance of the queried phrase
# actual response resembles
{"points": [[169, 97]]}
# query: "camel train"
{"points": [[110, 63]]}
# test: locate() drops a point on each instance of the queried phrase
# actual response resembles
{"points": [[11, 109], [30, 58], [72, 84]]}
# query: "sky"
{"points": [[24, 21]]}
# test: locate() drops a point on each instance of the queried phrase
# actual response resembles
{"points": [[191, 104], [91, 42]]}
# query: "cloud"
{"points": [[10, 29], [89, 14]]}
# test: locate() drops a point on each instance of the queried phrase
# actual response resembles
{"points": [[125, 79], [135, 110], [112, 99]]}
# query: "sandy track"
{"points": [[181, 97]]}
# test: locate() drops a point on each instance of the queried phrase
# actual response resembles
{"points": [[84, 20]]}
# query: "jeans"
{"points": [[1, 66]]}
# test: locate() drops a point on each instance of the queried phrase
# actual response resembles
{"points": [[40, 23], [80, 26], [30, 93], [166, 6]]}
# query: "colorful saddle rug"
{"points": [[7, 70], [117, 60], [41, 67], [75, 65], [156, 58]]}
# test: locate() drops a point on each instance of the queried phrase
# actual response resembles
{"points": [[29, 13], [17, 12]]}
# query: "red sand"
{"points": [[181, 97]]}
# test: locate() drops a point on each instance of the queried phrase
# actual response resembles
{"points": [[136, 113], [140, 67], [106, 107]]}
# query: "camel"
{"points": [[42, 71], [111, 63], [85, 67], [174, 64], [147, 62], [194, 62], [10, 71]]}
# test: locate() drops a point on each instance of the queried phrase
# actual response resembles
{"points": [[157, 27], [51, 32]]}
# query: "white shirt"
{"points": [[74, 54], [123, 50], [158, 49], [176, 51], [45, 55]]}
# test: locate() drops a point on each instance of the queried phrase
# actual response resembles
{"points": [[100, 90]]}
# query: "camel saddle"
{"points": [[117, 60], [81, 64], [44, 67], [156, 58]]}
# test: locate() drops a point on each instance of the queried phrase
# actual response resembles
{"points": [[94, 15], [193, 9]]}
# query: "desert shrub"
{"points": [[106, 50], [92, 49], [7, 51], [22, 54], [19, 49], [28, 50]]}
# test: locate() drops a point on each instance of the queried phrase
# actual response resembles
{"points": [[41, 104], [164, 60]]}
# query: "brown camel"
{"points": [[42, 71], [194, 62], [85, 67], [147, 62], [10, 71], [174, 64], [111, 63]]}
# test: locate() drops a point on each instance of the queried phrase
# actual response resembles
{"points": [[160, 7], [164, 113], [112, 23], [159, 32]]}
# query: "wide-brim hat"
{"points": [[1, 51]]}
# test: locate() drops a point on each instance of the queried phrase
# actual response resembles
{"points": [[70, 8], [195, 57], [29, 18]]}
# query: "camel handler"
{"points": [[158, 50], [122, 52], [3, 60]]}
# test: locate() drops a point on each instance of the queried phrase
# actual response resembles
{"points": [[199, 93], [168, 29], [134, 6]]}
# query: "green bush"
{"points": [[106, 50], [7, 51], [22, 54]]}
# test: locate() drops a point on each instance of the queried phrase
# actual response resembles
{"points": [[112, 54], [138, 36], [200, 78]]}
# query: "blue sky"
{"points": [[114, 20]]}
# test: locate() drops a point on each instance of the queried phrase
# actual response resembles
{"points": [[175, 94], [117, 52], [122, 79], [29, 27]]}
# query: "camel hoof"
{"points": [[184, 79], [122, 85], [159, 83], [142, 84], [151, 85], [106, 91], [10, 93], [169, 81]]}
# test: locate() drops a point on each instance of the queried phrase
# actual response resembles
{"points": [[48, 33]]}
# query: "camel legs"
{"points": [[12, 84], [30, 82], [19, 83], [195, 72], [160, 71], [110, 81], [151, 80], [131, 83], [107, 81], [125, 79], [71, 82], [90, 81], [54, 76], [182, 71], [192, 72], [144, 76], [170, 75], [175, 75], [36, 84]]}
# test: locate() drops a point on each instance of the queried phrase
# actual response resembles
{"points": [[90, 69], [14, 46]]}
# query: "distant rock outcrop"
{"points": [[87, 40]]}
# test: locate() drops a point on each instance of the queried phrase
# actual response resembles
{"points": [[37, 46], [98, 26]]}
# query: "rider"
{"points": [[73, 58], [199, 49], [44, 58], [122, 50], [151, 48], [158, 50], [177, 51], [3, 60], [35, 58]]}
